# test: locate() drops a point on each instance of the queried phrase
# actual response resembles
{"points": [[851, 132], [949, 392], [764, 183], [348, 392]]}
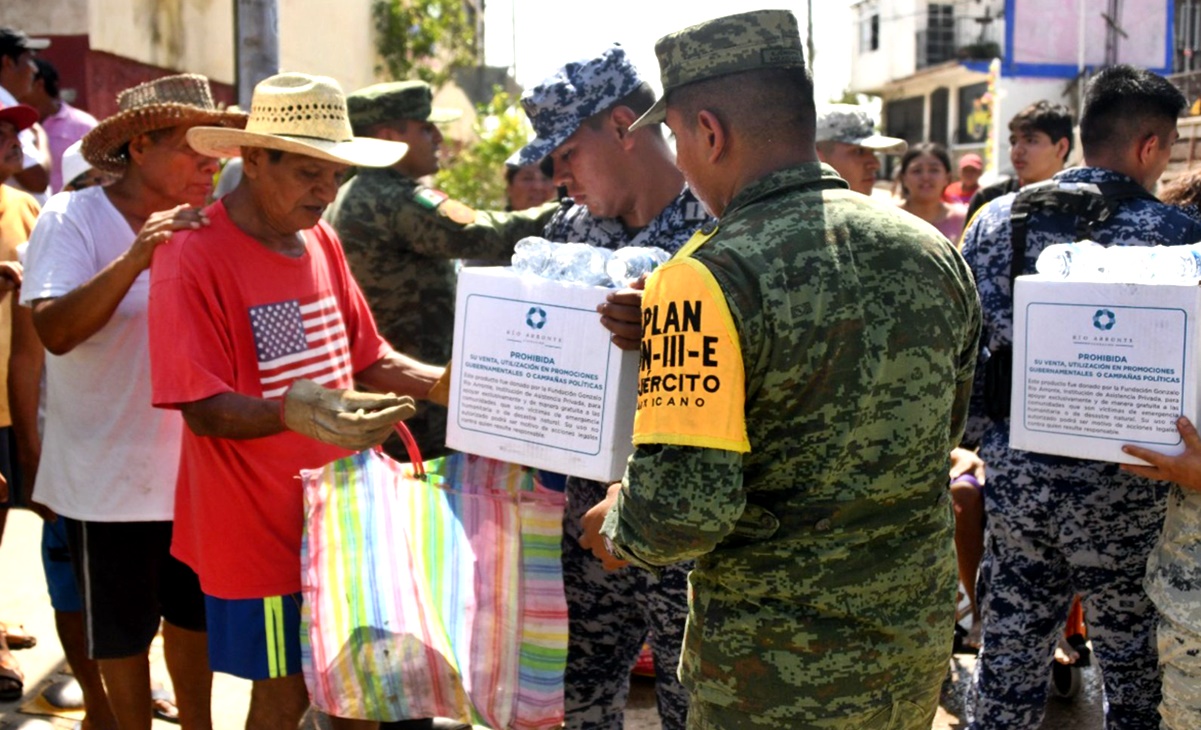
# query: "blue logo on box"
{"points": [[1104, 320], [536, 318]]}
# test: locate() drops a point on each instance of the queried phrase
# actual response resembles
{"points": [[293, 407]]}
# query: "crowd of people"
{"points": [[790, 555]]}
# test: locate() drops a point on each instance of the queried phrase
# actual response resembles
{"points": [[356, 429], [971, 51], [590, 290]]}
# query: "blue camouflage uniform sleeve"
{"points": [[977, 422]]}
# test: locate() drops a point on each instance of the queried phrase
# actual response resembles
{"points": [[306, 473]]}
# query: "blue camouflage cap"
{"points": [[557, 106]]}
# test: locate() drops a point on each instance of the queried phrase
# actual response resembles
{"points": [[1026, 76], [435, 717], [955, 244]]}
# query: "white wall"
{"points": [[896, 56], [330, 38], [316, 36], [42, 17], [186, 35]]}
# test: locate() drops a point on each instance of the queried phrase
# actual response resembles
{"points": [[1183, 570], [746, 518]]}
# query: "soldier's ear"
{"points": [[622, 117], [1147, 149], [713, 133]]}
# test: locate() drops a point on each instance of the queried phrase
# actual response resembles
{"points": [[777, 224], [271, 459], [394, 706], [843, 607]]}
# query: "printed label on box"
{"points": [[523, 383], [1105, 371]]}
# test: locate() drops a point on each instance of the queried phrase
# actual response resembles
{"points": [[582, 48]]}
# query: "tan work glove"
{"points": [[345, 418], [440, 391]]}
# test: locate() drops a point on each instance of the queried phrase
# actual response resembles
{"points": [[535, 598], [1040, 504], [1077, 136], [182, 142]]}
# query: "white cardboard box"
{"points": [[1098, 365], [536, 380]]}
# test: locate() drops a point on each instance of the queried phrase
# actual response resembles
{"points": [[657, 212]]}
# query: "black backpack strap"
{"points": [[1091, 204]]}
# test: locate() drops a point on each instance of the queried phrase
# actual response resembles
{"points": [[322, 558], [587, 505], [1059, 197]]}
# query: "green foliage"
{"points": [[475, 174], [426, 39], [848, 97]]}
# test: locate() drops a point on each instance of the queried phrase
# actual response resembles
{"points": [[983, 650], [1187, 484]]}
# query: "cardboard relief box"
{"points": [[536, 380], [1098, 364]]}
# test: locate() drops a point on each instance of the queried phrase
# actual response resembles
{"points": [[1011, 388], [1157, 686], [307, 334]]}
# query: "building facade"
{"points": [[104, 46], [955, 72]]}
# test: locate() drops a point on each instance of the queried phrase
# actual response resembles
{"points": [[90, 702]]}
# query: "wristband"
{"points": [[968, 478]]}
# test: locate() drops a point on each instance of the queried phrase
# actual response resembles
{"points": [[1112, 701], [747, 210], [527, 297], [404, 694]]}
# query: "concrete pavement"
{"points": [[23, 600]]}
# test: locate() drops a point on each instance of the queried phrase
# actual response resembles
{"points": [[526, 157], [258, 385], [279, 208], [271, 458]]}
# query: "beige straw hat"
{"points": [[303, 114], [170, 101]]}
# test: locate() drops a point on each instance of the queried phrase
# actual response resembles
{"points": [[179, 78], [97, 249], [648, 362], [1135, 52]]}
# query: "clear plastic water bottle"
{"points": [[1131, 264], [580, 263], [532, 255], [1175, 263], [1079, 260], [627, 264]]}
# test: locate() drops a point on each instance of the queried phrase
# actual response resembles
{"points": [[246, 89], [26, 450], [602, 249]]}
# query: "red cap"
{"points": [[971, 159], [22, 116]]}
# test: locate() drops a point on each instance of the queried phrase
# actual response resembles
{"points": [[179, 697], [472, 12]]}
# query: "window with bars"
{"points": [[869, 31], [1188, 36], [936, 44]]}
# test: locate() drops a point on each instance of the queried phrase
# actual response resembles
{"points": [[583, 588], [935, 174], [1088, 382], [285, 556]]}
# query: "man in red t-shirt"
{"points": [[258, 333], [962, 190]]}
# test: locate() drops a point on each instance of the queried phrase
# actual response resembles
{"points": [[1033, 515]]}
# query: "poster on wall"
{"points": [[975, 113], [1043, 36]]}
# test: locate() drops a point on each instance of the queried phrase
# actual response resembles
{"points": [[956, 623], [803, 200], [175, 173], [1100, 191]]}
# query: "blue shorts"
{"points": [[254, 638], [56, 563]]}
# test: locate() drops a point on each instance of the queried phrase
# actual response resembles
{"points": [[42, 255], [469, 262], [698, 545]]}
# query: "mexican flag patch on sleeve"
{"points": [[429, 198]]}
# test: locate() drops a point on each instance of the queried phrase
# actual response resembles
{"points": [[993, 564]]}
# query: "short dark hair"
{"points": [[1053, 120], [1124, 104], [640, 100], [763, 103], [48, 75]]}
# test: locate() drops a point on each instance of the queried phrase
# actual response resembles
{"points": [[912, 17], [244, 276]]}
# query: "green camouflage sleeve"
{"points": [[967, 371], [677, 503], [454, 231]]}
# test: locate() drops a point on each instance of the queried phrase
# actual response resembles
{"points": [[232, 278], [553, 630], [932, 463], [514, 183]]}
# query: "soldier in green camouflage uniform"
{"points": [[806, 367], [402, 238], [1174, 578]]}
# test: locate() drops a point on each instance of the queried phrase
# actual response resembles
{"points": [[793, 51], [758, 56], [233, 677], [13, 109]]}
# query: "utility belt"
{"points": [[998, 383]]}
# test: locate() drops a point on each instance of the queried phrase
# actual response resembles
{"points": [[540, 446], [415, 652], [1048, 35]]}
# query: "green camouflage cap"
{"points": [[745, 42], [395, 100]]}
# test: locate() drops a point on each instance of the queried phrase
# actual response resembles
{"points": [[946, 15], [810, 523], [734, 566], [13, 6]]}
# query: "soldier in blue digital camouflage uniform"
{"points": [[624, 190], [402, 238], [806, 365], [1057, 526]]}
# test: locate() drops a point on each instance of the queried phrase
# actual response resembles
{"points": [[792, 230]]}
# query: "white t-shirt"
{"points": [[107, 455]]}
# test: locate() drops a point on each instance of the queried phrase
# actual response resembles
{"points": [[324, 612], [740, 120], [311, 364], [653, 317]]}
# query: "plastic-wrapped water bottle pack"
{"points": [[1090, 261], [580, 263]]}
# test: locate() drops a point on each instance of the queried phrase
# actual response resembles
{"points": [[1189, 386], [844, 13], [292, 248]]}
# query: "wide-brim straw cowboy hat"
{"points": [[303, 114], [171, 101]]}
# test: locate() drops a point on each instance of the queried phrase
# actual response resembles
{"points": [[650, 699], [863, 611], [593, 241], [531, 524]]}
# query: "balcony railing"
{"points": [[1189, 84], [963, 38]]}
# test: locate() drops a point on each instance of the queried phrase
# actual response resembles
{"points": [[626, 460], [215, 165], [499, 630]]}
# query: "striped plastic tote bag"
{"points": [[433, 590]]}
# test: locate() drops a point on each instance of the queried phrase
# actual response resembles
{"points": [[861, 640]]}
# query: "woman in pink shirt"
{"points": [[925, 173]]}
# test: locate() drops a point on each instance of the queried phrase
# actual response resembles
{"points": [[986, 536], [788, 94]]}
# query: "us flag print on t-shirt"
{"points": [[299, 338]]}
